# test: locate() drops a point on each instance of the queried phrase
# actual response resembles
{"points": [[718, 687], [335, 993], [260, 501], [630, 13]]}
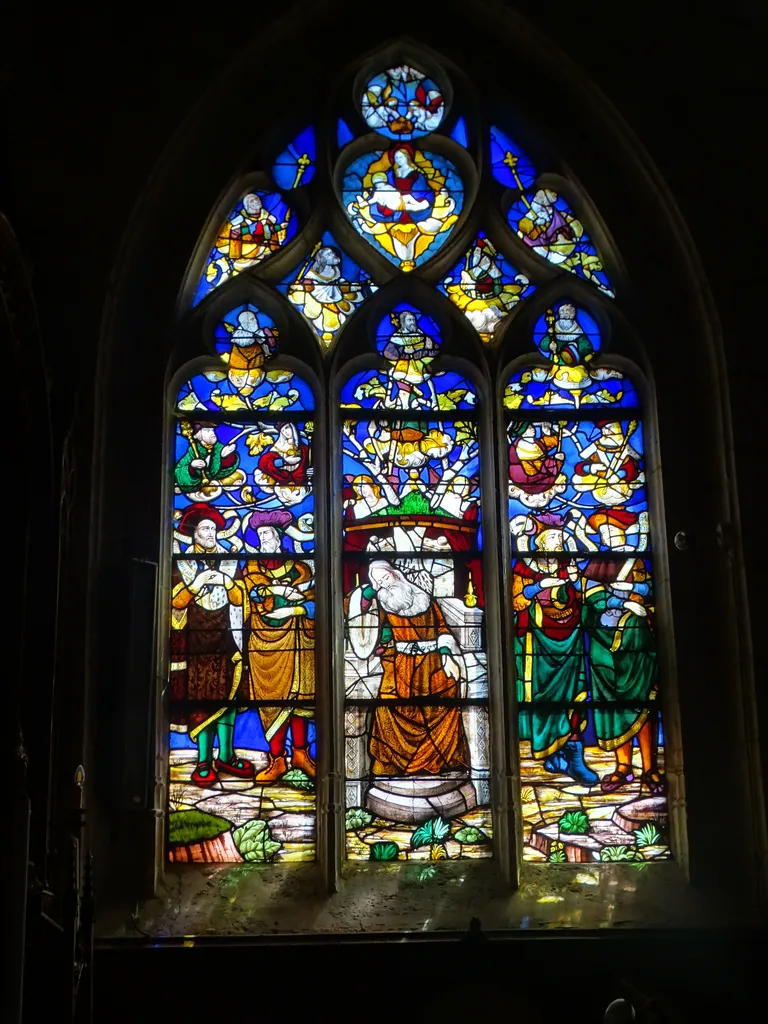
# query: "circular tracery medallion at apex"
{"points": [[402, 103]]}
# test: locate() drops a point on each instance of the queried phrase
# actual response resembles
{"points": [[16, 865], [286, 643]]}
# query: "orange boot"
{"points": [[300, 759], [276, 769]]}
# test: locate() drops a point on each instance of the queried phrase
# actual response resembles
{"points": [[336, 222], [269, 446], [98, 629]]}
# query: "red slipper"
{"points": [[203, 775], [238, 766]]}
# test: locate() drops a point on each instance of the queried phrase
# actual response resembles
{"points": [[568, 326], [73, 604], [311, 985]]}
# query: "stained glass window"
{"points": [[409, 185], [415, 674], [242, 669], [591, 736]]}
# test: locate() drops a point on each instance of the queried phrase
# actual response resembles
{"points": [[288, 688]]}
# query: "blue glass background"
{"points": [[203, 385], [501, 144], [444, 382], [459, 133], [286, 166], [343, 133], [533, 391]]}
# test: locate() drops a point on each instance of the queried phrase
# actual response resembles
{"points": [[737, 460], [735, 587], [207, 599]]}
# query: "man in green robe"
{"points": [[623, 667], [549, 658], [567, 341], [206, 461]]}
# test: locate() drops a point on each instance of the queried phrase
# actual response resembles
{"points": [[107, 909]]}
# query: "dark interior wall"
{"points": [[92, 100]]}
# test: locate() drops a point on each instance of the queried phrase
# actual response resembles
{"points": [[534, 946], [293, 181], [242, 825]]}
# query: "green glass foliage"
{"points": [[195, 827], [255, 843], [356, 818], [648, 835], [557, 853], [616, 853], [470, 834], [297, 779], [436, 830], [574, 823], [384, 851]]}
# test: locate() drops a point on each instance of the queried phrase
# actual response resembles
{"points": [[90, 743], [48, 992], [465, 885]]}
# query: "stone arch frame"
{"points": [[661, 318]]}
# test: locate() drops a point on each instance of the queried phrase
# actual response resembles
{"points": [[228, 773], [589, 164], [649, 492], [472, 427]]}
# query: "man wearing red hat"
{"points": [[208, 601]]}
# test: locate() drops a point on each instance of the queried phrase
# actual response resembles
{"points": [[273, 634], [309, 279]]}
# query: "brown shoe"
{"points": [[276, 769], [300, 759]]}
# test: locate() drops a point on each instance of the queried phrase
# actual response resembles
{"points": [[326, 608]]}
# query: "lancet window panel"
{"points": [[591, 740], [417, 735], [242, 749]]}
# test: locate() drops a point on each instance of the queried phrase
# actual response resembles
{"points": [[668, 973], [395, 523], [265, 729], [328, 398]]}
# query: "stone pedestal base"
{"points": [[415, 800]]}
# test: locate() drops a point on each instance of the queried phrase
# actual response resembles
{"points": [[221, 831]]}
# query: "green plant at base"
{"points": [[432, 833], [470, 834], [195, 827], [297, 780], [615, 853], [436, 830], [648, 835], [384, 851], [574, 823], [356, 818], [255, 843], [557, 857]]}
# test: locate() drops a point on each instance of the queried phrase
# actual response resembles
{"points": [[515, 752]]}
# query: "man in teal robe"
{"points": [[549, 658], [623, 668]]}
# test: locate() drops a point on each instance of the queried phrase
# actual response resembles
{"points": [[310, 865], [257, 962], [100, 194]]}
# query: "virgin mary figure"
{"points": [[404, 204]]}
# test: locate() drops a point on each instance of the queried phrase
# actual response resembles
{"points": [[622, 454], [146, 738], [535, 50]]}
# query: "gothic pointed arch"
{"points": [[456, 310]]}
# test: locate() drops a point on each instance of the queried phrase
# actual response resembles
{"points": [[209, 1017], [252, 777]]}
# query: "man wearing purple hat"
{"points": [[281, 644]]}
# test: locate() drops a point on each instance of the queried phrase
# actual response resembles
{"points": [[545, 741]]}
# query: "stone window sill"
{"points": [[262, 900]]}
